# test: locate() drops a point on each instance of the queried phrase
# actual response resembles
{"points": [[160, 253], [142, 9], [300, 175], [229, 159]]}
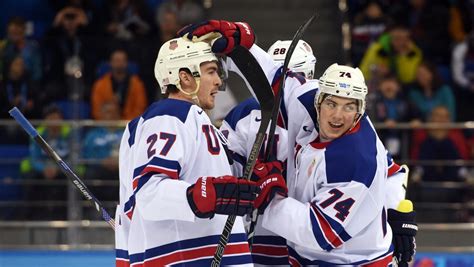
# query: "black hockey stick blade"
{"points": [[276, 109], [26, 125], [257, 79]]}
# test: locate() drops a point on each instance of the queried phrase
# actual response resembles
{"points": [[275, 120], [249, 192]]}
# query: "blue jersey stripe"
{"points": [[338, 228], [270, 260], [305, 262], [357, 152], [270, 240], [156, 161], [184, 244], [241, 111], [318, 232], [307, 100], [171, 107], [132, 128], [226, 260], [239, 158], [122, 254]]}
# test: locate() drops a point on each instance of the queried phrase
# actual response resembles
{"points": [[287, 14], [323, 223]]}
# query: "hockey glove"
{"points": [[269, 186], [222, 195], [232, 34], [262, 169], [404, 231]]}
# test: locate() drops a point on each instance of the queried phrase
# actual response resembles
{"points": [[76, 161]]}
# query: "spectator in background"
{"points": [[429, 91], [367, 27], [101, 146], [120, 86], [18, 90], [16, 45], [167, 20], [189, 11], [172, 15], [461, 21], [129, 24], [392, 107], [70, 56], [127, 19], [429, 24], [462, 66], [395, 52], [439, 144], [41, 167]]}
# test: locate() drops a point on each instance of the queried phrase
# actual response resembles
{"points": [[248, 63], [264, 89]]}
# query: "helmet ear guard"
{"points": [[302, 60]]}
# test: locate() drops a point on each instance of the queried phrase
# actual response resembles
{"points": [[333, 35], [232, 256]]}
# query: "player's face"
{"points": [[336, 116], [210, 82]]}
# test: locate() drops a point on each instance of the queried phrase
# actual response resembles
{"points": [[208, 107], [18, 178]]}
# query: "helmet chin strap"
{"points": [[192, 94], [359, 116]]}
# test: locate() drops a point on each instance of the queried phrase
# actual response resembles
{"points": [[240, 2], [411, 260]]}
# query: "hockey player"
{"points": [[338, 205], [175, 179], [298, 99], [240, 127]]}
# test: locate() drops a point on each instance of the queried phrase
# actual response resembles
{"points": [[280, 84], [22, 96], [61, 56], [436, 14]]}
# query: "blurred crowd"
{"points": [[418, 60], [79, 59], [94, 60]]}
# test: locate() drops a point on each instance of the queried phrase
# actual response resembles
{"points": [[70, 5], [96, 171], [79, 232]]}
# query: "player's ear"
{"points": [[185, 78]]}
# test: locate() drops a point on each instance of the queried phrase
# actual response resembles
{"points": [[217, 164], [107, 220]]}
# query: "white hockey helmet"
{"points": [[342, 81], [177, 54], [302, 60]]}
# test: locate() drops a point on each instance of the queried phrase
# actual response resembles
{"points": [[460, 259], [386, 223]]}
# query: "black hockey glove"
{"points": [[221, 195], [404, 231]]}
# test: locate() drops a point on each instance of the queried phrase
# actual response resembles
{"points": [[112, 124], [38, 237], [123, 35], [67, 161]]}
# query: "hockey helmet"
{"points": [[302, 60], [342, 81], [180, 53]]}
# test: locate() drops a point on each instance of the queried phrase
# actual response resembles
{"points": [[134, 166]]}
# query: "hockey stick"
{"points": [[254, 74], [26, 125], [276, 108]]}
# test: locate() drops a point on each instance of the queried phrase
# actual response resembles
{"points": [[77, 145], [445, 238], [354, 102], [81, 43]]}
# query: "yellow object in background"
{"points": [[405, 206]]}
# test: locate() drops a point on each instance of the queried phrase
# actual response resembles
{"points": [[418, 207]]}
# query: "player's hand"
{"points": [[404, 231], [222, 195], [272, 184], [263, 169], [231, 34]]}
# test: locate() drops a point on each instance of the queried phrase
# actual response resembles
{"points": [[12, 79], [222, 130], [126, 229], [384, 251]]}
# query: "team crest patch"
{"points": [[311, 167], [173, 45]]}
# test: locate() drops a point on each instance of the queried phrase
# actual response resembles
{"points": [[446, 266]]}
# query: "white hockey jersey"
{"points": [[336, 214], [163, 152], [298, 115], [240, 127]]}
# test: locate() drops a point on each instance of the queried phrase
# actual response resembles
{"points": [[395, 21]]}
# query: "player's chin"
{"points": [[332, 134], [209, 104]]}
